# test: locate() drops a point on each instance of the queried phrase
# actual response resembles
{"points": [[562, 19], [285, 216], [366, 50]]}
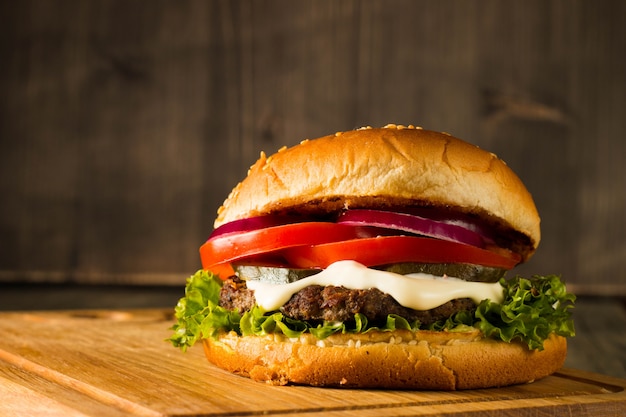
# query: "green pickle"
{"points": [[271, 274], [468, 272]]}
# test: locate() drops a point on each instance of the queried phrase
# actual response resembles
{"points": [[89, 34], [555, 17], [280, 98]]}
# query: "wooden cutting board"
{"points": [[116, 363]]}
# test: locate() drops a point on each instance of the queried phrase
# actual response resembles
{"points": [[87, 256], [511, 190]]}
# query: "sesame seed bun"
{"points": [[400, 359], [389, 167]]}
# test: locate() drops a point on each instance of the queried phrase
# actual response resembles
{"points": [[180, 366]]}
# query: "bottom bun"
{"points": [[400, 359]]}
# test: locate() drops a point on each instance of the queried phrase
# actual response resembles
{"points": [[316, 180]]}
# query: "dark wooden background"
{"points": [[124, 124]]}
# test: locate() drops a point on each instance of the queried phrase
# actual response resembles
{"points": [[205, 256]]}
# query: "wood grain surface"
{"points": [[124, 125], [116, 362]]}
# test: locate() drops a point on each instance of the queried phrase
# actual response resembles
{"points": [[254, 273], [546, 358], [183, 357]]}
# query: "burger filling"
{"points": [[347, 288], [366, 270], [316, 304], [530, 310]]}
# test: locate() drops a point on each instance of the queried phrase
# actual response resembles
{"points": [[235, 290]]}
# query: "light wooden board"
{"points": [[117, 363]]}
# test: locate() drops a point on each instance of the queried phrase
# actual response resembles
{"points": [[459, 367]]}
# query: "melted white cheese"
{"points": [[416, 291]]}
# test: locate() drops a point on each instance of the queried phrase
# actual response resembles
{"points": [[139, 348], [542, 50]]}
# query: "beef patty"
{"points": [[317, 303]]}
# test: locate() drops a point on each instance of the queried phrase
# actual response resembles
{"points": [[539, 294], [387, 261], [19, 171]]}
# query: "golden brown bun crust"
{"points": [[387, 167], [401, 360]]}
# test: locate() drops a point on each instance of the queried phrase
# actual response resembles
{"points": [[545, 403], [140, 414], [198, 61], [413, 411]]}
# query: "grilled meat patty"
{"points": [[318, 303]]}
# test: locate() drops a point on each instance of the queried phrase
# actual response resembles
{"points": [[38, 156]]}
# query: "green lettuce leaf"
{"points": [[198, 313], [532, 309]]}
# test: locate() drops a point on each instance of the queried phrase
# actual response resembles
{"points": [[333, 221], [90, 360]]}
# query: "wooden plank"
{"points": [[17, 400], [26, 393], [119, 360], [123, 127], [600, 341]]}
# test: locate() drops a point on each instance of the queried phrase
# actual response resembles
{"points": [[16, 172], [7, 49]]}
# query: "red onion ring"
{"points": [[254, 223], [413, 224]]}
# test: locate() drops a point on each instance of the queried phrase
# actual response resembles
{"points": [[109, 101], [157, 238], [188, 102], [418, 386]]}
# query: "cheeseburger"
{"points": [[377, 258]]}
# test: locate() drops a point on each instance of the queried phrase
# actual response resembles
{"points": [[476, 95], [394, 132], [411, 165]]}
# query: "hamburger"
{"points": [[377, 258]]}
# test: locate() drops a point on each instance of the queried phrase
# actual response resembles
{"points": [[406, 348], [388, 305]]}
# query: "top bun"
{"points": [[389, 167]]}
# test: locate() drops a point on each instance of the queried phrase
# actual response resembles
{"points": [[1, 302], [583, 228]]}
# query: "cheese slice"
{"points": [[417, 291]]}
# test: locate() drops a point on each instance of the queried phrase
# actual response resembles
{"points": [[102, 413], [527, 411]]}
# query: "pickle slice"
{"points": [[271, 274], [467, 272]]}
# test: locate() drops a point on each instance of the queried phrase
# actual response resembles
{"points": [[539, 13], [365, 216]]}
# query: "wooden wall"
{"points": [[124, 124]]}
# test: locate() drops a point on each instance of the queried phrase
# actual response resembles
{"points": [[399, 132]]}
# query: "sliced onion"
{"points": [[458, 219], [413, 224], [254, 223]]}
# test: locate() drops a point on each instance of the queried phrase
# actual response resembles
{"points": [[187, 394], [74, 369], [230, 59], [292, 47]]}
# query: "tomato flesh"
{"points": [[227, 248], [316, 245], [383, 250]]}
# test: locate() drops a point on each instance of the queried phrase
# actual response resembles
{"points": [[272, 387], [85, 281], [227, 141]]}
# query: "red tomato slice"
{"points": [[223, 271], [395, 249], [226, 248]]}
